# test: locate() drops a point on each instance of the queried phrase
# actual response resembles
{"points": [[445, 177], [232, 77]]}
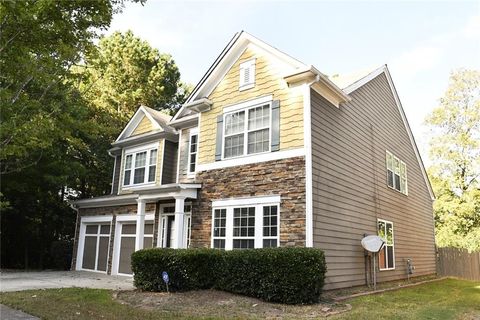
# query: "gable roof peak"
{"points": [[158, 119]]}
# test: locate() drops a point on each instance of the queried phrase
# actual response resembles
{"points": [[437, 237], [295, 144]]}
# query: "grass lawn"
{"points": [[445, 299]]}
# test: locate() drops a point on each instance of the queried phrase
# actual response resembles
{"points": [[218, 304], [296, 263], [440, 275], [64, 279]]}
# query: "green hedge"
{"points": [[188, 269], [286, 275]]}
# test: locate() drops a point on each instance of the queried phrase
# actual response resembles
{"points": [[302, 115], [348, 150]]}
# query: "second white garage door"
{"points": [[127, 244]]}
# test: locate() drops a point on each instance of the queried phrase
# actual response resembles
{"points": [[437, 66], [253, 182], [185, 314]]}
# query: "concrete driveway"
{"points": [[18, 281]]}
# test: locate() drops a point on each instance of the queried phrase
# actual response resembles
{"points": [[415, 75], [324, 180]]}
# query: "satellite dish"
{"points": [[372, 243]]}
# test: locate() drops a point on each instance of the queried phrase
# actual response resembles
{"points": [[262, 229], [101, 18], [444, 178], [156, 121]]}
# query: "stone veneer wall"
{"points": [[114, 211], [285, 177]]}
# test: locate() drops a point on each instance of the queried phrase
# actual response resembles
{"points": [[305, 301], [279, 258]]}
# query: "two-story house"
{"points": [[267, 152]]}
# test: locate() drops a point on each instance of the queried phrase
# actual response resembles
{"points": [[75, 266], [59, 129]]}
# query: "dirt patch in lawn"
{"points": [[212, 303]]}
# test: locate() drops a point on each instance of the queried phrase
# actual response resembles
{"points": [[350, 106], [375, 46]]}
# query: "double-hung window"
{"points": [[219, 228], [246, 226], [386, 257], [247, 131], [396, 173], [192, 150], [140, 167]]}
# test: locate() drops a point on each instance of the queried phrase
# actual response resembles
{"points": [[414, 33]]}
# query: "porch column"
{"points": [[179, 222], [140, 231]]}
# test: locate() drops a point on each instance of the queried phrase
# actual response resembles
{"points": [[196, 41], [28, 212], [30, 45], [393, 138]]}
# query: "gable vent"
{"points": [[247, 75]]}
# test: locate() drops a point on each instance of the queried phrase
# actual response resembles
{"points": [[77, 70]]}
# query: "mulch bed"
{"points": [[219, 304]]}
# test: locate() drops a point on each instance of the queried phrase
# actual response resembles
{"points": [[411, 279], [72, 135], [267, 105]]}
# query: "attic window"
{"points": [[247, 75]]}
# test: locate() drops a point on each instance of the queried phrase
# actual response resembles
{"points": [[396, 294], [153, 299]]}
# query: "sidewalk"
{"points": [[7, 313]]}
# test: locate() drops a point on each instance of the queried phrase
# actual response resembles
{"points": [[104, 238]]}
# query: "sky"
{"points": [[421, 42]]}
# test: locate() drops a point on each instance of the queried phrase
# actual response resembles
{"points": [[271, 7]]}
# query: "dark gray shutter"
{"points": [[275, 144], [116, 174], [218, 148]]}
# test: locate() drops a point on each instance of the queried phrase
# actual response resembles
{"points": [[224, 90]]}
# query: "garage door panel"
{"points": [[147, 242], [105, 229], [148, 228], [89, 253], [129, 228], [103, 253], [127, 247]]}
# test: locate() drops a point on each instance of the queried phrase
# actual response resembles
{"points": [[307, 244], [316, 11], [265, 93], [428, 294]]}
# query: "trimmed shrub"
{"points": [[188, 269], [286, 275]]}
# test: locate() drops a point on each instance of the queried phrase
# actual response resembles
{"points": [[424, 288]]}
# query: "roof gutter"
{"points": [[314, 76]]}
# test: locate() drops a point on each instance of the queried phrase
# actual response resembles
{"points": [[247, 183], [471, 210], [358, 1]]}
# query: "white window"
{"points": [[140, 167], [386, 257], [219, 228], [396, 173], [247, 75], [270, 226], [192, 150], [245, 223], [244, 228], [247, 131]]}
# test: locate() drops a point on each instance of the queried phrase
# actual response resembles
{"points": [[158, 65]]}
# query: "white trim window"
{"points": [[192, 151], [247, 131], [246, 224], [219, 228], [140, 167], [244, 228], [247, 75], [270, 226], [386, 256], [396, 173]]}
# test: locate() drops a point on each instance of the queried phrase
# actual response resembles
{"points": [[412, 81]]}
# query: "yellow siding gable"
{"points": [[144, 126], [268, 81]]}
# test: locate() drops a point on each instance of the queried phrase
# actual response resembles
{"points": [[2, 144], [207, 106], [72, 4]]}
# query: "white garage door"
{"points": [[95, 248], [127, 244]]}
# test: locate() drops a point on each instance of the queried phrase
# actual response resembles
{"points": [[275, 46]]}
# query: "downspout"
{"points": [[307, 123], [75, 239], [114, 169]]}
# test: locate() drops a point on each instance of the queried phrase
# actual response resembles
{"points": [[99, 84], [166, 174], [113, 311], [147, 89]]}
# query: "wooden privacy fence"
{"points": [[453, 262]]}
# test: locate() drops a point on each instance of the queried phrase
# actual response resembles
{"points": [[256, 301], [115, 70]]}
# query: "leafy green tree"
{"points": [[126, 72], [43, 119], [121, 74], [455, 155]]}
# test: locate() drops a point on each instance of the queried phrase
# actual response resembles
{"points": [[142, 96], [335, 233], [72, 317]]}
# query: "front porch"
{"points": [[111, 228]]}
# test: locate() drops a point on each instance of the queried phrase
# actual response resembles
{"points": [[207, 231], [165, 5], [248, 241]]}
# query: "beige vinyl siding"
{"points": [[144, 126], [348, 146], [268, 81], [183, 161], [169, 174]]}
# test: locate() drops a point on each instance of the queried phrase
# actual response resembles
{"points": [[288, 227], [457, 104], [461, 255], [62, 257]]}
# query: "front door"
{"points": [[167, 226]]}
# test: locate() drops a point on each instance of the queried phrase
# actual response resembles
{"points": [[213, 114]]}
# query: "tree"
{"points": [[43, 119], [123, 73], [126, 72], [455, 156]]}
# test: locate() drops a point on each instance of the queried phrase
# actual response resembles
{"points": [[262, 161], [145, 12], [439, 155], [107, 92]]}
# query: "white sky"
{"points": [[422, 42]]}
